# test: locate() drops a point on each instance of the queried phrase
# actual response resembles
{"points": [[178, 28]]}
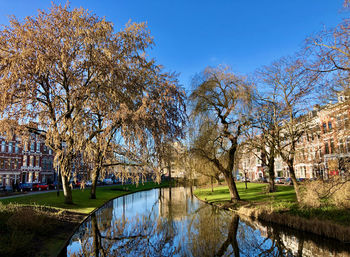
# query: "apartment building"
{"points": [[25, 161], [324, 148]]}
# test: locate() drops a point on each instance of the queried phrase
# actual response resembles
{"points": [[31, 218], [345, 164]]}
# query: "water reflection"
{"points": [[170, 222]]}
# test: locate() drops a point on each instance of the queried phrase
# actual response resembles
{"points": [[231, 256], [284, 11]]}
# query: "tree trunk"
{"points": [[217, 177], [95, 236], [231, 238], [271, 167], [95, 176], [231, 186], [294, 179], [212, 184], [67, 190]]}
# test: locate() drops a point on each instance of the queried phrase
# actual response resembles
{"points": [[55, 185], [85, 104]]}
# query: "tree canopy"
{"points": [[80, 82]]}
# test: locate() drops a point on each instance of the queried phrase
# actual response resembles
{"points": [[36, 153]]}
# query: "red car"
{"points": [[40, 186]]}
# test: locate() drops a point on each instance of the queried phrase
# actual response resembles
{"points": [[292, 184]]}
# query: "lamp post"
{"points": [[58, 180]]}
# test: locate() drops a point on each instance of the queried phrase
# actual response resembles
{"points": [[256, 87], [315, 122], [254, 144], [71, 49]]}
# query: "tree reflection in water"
{"points": [[170, 222], [144, 235]]}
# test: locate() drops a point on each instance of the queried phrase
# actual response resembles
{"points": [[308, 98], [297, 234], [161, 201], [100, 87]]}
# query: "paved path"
{"points": [[40, 192], [28, 193]]}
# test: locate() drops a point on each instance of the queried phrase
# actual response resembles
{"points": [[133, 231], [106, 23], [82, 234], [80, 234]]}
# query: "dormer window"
{"points": [[329, 125], [324, 126]]}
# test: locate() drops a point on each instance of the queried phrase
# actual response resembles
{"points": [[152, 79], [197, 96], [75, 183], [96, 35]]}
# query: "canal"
{"points": [[172, 222]]}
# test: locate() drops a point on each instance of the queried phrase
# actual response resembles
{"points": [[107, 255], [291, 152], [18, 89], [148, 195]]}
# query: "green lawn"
{"points": [[82, 203], [255, 193], [284, 200]]}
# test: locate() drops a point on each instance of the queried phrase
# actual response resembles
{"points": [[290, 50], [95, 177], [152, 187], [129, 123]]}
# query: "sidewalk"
{"points": [[25, 194]]}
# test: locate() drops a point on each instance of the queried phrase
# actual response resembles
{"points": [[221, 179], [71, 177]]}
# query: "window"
{"points": [[341, 146], [32, 146], [31, 161], [38, 146], [24, 160], [329, 125], [10, 147], [50, 151], [3, 145], [339, 122], [324, 126], [258, 161], [16, 148], [326, 149], [332, 146], [346, 121], [37, 161]]}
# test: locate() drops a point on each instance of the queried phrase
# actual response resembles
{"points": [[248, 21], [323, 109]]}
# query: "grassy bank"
{"points": [[282, 201], [39, 225]]}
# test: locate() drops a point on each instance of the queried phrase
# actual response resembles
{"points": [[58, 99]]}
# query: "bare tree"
{"points": [[292, 85], [262, 138], [223, 98], [328, 53]]}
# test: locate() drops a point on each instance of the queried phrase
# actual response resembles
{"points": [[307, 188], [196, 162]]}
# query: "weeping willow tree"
{"points": [[63, 66], [138, 116], [221, 105]]}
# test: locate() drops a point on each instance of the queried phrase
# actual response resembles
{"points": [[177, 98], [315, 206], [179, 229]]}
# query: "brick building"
{"points": [[30, 161], [323, 150]]}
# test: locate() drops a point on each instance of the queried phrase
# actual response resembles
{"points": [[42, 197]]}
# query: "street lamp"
{"points": [[58, 180]]}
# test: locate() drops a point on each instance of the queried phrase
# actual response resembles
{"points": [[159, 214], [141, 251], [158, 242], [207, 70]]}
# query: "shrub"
{"points": [[341, 198], [320, 193]]}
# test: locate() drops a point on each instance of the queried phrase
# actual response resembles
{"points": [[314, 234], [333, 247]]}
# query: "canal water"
{"points": [[172, 222]]}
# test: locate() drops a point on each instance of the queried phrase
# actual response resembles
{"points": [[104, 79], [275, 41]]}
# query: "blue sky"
{"points": [[193, 34]]}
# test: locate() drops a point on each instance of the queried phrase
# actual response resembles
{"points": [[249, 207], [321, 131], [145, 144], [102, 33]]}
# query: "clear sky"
{"points": [[193, 34]]}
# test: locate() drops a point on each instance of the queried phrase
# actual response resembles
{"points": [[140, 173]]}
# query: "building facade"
{"points": [[27, 161], [322, 151]]}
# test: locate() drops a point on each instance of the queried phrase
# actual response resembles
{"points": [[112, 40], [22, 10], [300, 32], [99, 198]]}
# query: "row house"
{"points": [[323, 150], [251, 165], [27, 161]]}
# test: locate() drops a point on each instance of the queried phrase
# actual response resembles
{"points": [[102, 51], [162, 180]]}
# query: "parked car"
{"points": [[77, 183], [107, 181], [88, 183], [74, 184], [288, 182], [117, 181], [279, 180], [26, 187], [40, 186], [53, 185], [262, 180], [300, 179]]}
